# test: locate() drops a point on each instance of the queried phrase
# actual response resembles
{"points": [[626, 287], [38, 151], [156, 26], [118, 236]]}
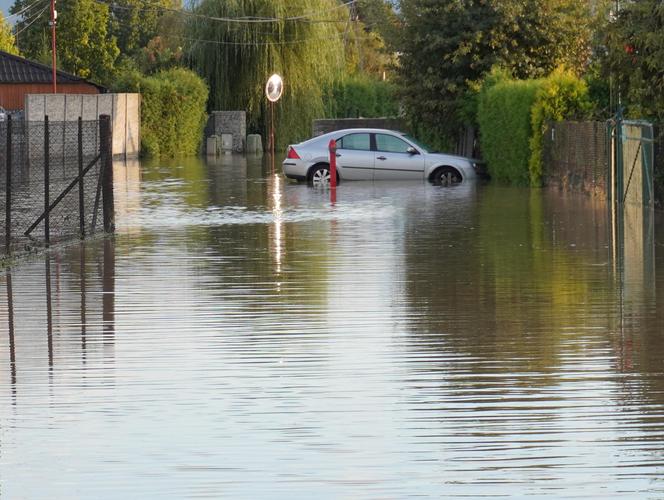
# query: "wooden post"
{"points": [[106, 151], [8, 189], [81, 198], [47, 147]]}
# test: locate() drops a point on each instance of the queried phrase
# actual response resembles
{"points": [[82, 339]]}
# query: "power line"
{"points": [[244, 19], [24, 9], [34, 20]]}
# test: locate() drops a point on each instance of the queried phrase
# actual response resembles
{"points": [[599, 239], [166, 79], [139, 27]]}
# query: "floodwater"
{"points": [[243, 338]]}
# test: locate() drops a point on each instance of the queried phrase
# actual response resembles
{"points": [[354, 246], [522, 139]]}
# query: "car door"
{"points": [[395, 160], [355, 159]]}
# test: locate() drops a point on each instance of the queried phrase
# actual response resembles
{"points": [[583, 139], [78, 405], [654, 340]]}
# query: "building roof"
{"points": [[16, 69]]}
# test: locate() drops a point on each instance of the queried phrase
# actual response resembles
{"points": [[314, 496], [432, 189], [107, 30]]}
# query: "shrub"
{"points": [[359, 96], [512, 115], [173, 110], [503, 114]]}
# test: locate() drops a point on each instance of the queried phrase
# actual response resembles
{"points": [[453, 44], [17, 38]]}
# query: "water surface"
{"points": [[242, 337]]}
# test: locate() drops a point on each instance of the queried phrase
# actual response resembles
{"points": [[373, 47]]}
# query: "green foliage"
{"points": [[7, 39], [560, 96], [85, 46], [512, 115], [635, 44], [173, 112], [503, 114], [237, 59], [448, 47], [136, 22], [360, 96]]}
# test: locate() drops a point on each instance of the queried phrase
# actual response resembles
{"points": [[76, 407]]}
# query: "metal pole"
{"points": [[8, 188], [108, 211], [47, 227], [272, 135], [53, 47], [81, 199]]}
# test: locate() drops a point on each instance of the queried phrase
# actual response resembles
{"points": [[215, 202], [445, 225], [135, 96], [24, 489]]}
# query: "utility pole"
{"points": [[54, 16]]}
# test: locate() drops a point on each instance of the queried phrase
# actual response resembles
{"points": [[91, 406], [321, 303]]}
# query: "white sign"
{"points": [[274, 88]]}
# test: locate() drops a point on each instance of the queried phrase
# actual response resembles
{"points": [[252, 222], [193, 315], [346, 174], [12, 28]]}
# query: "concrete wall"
{"points": [[321, 127], [124, 109], [229, 122]]}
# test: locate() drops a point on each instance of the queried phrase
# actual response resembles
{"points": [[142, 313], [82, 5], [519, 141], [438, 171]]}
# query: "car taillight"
{"points": [[292, 154]]}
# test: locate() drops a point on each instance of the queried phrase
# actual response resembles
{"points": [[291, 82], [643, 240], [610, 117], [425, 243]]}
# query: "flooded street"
{"points": [[243, 338]]}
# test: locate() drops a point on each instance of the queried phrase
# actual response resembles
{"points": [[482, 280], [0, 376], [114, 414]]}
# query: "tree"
{"points": [[448, 47], [635, 44], [85, 46], [237, 58], [136, 22], [7, 39]]}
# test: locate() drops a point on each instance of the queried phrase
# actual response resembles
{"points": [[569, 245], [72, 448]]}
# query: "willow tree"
{"points": [[302, 40]]}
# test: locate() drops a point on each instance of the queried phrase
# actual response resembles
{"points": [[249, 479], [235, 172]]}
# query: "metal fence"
{"points": [[56, 182], [632, 172], [576, 156]]}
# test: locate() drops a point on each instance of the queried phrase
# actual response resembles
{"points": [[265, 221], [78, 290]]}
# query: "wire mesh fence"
{"points": [[52, 182], [576, 156]]}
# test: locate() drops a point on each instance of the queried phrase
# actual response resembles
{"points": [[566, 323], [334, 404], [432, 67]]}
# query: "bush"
{"points": [[512, 115], [503, 115], [359, 96], [173, 110]]}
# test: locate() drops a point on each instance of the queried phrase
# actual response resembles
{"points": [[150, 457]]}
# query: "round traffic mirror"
{"points": [[274, 88]]}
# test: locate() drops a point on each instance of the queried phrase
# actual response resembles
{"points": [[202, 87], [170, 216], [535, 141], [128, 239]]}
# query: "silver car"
{"points": [[374, 154]]}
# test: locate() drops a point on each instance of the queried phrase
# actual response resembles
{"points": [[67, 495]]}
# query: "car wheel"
{"points": [[320, 176], [446, 176]]}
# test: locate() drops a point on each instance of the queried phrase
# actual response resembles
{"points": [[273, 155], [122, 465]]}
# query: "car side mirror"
{"points": [[412, 151]]}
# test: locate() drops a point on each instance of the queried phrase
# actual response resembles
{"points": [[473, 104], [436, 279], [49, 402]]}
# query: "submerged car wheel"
{"points": [[446, 176], [320, 176]]}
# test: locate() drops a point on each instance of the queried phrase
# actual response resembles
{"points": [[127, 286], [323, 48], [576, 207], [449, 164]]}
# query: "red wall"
{"points": [[12, 94]]}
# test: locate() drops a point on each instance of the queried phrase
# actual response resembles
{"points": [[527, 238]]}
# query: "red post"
{"points": [[333, 164]]}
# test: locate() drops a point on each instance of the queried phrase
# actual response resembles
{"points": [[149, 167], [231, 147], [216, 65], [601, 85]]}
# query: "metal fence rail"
{"points": [[55, 182]]}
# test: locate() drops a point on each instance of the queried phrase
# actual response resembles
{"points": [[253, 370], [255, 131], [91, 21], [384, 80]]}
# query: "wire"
{"points": [[245, 19], [24, 9], [34, 19]]}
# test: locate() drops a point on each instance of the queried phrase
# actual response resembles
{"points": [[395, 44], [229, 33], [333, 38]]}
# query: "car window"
{"points": [[358, 142], [391, 144]]}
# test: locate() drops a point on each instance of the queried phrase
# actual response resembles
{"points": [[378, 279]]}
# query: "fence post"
{"points": [[47, 147], [8, 188], [106, 153], [81, 199]]}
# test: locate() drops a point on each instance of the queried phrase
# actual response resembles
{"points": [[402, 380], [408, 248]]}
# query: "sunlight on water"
{"points": [[241, 337]]}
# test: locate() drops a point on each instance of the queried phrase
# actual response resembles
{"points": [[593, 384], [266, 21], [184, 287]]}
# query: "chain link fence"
{"points": [[55, 182], [576, 156]]}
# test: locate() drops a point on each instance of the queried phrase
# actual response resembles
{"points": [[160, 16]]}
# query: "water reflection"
{"points": [[41, 300], [243, 338]]}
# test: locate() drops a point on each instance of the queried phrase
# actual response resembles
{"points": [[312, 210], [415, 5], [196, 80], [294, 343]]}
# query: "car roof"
{"points": [[345, 131]]}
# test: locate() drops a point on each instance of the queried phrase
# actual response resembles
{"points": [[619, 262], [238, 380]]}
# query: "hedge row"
{"points": [[358, 96], [512, 115], [173, 110]]}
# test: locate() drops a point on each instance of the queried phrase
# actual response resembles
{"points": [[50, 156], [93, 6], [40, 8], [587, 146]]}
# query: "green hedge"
{"points": [[512, 115], [503, 115], [173, 110], [358, 96]]}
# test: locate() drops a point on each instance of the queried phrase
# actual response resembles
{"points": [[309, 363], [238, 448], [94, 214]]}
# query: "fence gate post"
{"points": [[47, 228], [8, 188], [106, 152]]}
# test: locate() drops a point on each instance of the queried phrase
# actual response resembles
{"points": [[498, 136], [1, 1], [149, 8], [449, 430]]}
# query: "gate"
{"points": [[57, 182], [632, 179]]}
